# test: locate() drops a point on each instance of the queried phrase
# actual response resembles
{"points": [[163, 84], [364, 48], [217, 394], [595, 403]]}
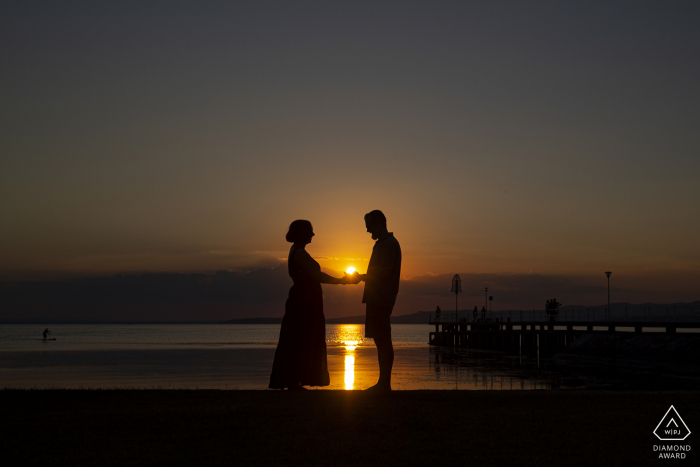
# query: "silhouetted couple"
{"points": [[300, 358], [552, 309]]}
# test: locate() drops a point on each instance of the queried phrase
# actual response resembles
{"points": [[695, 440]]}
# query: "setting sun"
{"points": [[350, 270]]}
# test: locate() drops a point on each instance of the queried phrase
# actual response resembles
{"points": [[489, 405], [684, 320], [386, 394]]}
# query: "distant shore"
{"points": [[420, 317], [339, 428]]}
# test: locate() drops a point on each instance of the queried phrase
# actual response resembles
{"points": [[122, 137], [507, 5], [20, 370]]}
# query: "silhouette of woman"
{"points": [[300, 358]]}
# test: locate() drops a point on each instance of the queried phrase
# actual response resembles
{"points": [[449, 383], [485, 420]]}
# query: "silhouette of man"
{"points": [[381, 288], [46, 333], [475, 313], [555, 309]]}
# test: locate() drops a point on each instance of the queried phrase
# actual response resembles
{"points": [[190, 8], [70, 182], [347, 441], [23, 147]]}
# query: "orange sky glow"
{"points": [[496, 141]]}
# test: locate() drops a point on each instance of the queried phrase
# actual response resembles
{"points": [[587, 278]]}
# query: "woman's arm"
{"points": [[312, 268]]}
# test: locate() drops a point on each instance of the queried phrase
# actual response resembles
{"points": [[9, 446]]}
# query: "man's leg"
{"points": [[385, 352], [378, 327], [379, 359]]}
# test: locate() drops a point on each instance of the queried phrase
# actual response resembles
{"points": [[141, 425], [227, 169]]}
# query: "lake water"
{"points": [[240, 357]]}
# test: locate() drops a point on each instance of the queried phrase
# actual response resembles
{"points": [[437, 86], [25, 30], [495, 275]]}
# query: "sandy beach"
{"points": [[339, 428]]}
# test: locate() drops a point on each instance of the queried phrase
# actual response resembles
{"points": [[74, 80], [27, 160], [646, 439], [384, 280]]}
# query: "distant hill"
{"points": [[254, 321], [420, 317], [423, 317], [625, 304]]}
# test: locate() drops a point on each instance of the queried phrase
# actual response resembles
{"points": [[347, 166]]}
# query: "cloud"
{"points": [[149, 296], [262, 292]]}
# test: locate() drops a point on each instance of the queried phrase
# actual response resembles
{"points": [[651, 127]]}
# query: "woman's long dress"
{"points": [[300, 357]]}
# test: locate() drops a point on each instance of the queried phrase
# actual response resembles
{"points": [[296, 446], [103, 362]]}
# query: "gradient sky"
{"points": [[498, 137]]}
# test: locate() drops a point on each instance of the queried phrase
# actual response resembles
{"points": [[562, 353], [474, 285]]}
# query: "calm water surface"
{"points": [[240, 357]]}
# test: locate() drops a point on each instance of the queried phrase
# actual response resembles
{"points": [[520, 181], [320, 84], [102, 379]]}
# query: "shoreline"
{"points": [[351, 368]]}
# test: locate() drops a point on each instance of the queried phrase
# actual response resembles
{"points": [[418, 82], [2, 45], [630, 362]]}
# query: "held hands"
{"points": [[353, 278]]}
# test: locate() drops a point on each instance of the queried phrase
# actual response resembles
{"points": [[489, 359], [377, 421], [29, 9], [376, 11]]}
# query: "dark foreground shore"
{"points": [[337, 428]]}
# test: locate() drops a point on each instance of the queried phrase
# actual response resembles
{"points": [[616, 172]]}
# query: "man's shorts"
{"points": [[378, 321]]}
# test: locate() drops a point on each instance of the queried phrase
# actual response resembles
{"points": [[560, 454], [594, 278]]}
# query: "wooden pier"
{"points": [[540, 331]]}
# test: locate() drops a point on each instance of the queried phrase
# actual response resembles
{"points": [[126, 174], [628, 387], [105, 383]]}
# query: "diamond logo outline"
{"points": [[672, 419]]}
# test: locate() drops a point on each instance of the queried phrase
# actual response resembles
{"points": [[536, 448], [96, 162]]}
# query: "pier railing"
{"points": [[632, 314]]}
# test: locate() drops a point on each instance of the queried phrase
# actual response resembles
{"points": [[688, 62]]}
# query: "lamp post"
{"points": [[607, 273], [486, 298], [456, 288]]}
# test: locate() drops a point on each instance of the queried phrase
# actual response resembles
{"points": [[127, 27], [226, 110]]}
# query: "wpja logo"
{"points": [[672, 428]]}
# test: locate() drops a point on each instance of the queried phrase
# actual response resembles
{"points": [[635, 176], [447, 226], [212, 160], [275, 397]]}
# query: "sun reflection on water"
{"points": [[350, 345], [349, 372], [348, 336]]}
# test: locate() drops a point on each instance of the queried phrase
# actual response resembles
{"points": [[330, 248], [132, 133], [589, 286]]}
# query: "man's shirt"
{"points": [[383, 291]]}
